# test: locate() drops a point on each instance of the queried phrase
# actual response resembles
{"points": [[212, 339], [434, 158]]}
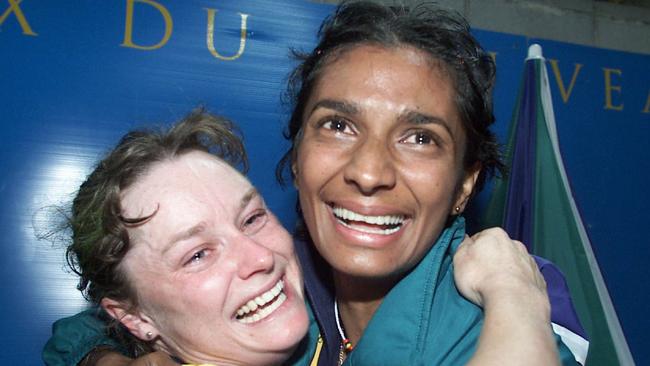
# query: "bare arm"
{"points": [[497, 273]]}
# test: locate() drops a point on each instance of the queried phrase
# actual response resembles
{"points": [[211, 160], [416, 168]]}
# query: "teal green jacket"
{"points": [[424, 320], [74, 337], [405, 330]]}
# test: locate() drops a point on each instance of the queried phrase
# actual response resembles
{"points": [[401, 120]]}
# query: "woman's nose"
{"points": [[254, 257], [370, 167]]}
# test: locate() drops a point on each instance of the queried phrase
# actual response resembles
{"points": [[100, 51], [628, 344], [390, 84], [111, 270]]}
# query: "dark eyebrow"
{"points": [[418, 118], [337, 105]]}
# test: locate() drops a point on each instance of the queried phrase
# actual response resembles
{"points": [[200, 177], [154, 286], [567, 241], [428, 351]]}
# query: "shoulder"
{"points": [[75, 336]]}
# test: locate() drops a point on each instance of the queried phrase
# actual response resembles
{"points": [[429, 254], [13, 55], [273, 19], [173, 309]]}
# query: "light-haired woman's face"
{"points": [[215, 272], [380, 166]]}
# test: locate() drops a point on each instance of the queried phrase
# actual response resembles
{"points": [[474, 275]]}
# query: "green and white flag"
{"points": [[535, 205]]}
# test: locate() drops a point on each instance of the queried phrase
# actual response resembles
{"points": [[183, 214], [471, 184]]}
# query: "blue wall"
{"points": [[72, 85]]}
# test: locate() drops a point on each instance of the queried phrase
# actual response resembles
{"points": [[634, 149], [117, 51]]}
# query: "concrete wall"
{"points": [[617, 26]]}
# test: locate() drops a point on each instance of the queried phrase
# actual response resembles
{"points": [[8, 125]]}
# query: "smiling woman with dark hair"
{"points": [[390, 139]]}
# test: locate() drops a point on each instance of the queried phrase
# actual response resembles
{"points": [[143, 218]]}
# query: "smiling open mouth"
{"points": [[382, 224], [263, 305]]}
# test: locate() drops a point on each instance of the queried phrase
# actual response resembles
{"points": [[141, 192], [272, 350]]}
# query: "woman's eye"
{"points": [[420, 138], [338, 125], [255, 221], [197, 257]]}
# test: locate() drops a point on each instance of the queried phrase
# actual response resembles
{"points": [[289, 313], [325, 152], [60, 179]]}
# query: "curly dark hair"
{"points": [[100, 239], [443, 35]]}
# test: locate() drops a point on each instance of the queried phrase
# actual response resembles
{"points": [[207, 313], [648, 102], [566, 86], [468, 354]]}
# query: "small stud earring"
{"points": [[457, 208], [149, 335]]}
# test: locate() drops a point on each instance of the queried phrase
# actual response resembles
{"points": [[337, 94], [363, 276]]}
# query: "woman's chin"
{"points": [[282, 330], [287, 328], [276, 344]]}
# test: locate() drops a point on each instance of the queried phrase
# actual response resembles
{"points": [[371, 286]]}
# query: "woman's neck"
{"points": [[358, 299]]}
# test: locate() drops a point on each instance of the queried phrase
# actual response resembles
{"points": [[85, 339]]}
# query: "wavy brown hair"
{"points": [[100, 239]]}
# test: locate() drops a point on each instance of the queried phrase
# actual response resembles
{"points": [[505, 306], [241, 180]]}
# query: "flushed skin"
{"points": [[210, 248]]}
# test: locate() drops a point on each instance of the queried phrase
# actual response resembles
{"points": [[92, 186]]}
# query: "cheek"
{"points": [[435, 193], [294, 275], [140, 274], [431, 184], [304, 169], [275, 237], [200, 292], [205, 290], [282, 242], [317, 163]]}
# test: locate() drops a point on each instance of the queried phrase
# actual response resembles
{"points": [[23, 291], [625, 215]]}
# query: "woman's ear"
{"points": [[466, 188], [294, 173], [136, 322]]}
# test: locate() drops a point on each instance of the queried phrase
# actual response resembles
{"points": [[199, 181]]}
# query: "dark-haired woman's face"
{"points": [[379, 168]]}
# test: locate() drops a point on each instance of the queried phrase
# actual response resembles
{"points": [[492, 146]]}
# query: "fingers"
{"points": [[493, 232], [491, 264]]}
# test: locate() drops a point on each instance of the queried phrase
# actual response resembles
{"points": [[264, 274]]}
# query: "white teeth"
{"points": [[276, 290], [268, 296], [345, 214], [371, 230], [264, 312], [251, 305], [272, 298]]}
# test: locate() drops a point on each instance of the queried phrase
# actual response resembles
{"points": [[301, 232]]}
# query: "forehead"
{"points": [[394, 80], [390, 64], [401, 73], [185, 180]]}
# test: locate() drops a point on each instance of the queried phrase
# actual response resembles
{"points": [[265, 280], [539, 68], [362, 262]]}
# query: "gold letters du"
{"points": [[564, 92], [210, 36], [15, 8], [128, 29], [609, 88]]}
